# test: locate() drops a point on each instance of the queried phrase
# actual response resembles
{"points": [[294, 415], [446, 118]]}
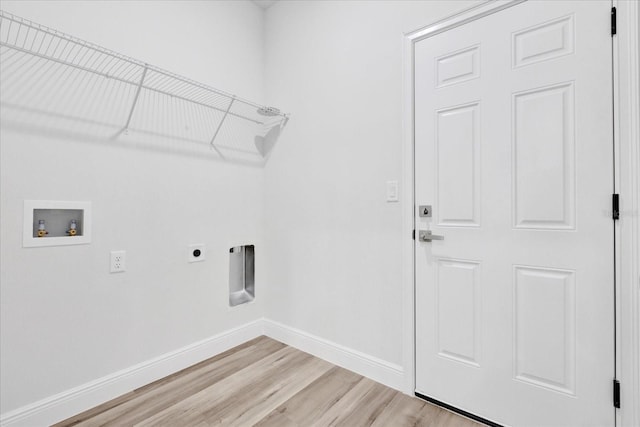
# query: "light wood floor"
{"points": [[269, 384]]}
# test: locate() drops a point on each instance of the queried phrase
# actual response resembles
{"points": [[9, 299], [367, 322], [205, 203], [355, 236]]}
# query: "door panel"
{"points": [[545, 330], [544, 158], [457, 147], [513, 150], [458, 309]]}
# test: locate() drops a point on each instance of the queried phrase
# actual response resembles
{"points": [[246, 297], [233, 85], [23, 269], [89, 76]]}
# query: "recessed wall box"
{"points": [[56, 223], [241, 275]]}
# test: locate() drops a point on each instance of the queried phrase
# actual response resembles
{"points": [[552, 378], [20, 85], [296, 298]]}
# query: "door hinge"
{"points": [[615, 206], [616, 393], [413, 236], [614, 21]]}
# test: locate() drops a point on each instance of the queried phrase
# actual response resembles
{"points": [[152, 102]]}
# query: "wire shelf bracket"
{"points": [[133, 105], [226, 113]]}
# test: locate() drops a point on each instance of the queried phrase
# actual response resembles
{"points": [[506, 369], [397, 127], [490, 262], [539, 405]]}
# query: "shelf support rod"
{"points": [[226, 113], [133, 105]]}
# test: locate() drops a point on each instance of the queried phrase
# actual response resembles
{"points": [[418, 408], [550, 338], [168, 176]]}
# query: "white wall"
{"points": [[219, 43], [334, 244], [330, 244], [65, 320]]}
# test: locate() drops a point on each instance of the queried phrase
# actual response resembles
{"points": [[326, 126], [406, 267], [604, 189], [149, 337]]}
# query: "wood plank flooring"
{"points": [[268, 384]]}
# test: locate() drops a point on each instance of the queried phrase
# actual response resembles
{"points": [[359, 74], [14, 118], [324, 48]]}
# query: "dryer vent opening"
{"points": [[241, 275]]}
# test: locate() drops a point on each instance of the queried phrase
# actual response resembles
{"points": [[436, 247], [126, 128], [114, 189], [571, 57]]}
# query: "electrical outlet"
{"points": [[118, 261], [196, 252]]}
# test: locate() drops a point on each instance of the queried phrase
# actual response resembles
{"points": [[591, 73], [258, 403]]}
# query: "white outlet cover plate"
{"points": [[118, 261], [191, 257]]}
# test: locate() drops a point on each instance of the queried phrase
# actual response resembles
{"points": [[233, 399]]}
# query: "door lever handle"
{"points": [[426, 236]]}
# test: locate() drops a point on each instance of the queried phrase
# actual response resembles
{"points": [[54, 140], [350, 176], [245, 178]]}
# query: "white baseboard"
{"points": [[389, 374], [71, 402]]}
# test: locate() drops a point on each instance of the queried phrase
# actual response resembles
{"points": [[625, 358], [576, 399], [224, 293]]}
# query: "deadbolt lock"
{"points": [[425, 211]]}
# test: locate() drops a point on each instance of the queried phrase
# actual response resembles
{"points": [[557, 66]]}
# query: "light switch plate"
{"points": [[392, 191]]}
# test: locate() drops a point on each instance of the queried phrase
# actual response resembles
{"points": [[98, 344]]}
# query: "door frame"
{"points": [[626, 78]]}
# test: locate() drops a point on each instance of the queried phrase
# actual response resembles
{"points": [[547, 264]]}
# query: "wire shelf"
{"points": [[56, 82]]}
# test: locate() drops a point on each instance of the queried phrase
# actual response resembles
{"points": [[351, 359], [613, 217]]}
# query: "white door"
{"points": [[513, 151]]}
